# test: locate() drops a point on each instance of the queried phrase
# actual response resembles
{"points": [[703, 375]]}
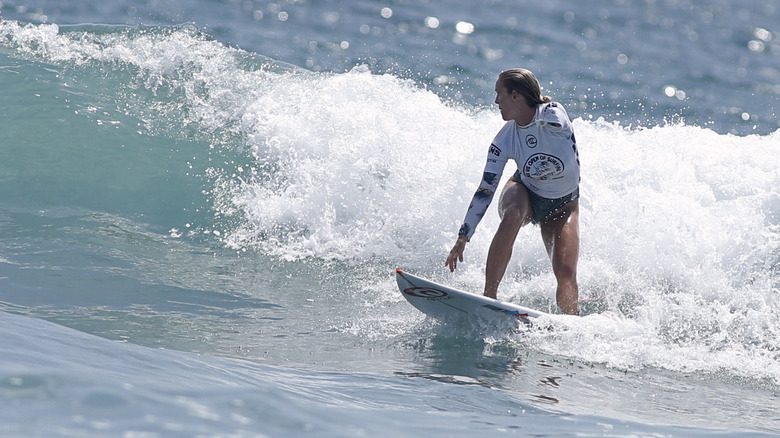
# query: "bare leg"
{"points": [[561, 236], [515, 211]]}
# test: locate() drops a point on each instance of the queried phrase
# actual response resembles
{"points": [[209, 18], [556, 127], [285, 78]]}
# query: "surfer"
{"points": [[544, 190]]}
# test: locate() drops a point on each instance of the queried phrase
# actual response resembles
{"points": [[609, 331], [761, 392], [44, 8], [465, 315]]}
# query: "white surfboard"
{"points": [[444, 302]]}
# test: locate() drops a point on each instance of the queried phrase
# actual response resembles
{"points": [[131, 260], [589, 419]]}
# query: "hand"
{"points": [[456, 254]]}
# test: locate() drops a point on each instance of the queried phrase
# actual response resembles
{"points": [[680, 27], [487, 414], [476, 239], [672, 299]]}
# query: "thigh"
{"points": [[515, 202], [561, 235]]}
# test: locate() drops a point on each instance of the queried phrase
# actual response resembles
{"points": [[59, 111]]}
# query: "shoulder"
{"points": [[502, 146], [505, 132], [554, 115]]}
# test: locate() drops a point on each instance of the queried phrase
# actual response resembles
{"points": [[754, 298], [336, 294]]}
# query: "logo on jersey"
{"points": [[494, 150], [530, 140], [542, 167]]}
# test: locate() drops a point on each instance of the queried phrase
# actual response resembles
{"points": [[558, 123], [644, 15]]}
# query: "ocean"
{"points": [[204, 202]]}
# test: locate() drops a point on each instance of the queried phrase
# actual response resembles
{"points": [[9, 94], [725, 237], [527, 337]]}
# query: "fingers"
{"points": [[453, 265], [455, 255], [450, 263]]}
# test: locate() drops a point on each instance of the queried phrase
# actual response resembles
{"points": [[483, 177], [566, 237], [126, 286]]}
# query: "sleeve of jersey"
{"points": [[484, 195], [554, 117]]}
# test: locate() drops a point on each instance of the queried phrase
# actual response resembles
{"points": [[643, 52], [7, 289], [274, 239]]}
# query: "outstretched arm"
{"points": [[494, 167], [477, 209]]}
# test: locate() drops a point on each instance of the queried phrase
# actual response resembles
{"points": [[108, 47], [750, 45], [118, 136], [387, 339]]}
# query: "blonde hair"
{"points": [[525, 84]]}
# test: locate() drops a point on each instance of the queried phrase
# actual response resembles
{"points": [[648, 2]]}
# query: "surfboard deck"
{"points": [[442, 302]]}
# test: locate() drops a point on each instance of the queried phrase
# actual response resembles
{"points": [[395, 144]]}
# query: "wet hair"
{"points": [[525, 84]]}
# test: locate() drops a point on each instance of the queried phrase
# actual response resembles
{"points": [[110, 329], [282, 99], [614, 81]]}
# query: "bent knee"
{"points": [[513, 217], [565, 272]]}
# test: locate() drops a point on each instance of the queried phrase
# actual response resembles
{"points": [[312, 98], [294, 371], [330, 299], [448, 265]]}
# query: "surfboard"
{"points": [[442, 302]]}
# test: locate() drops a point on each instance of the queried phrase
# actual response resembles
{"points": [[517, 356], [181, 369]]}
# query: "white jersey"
{"points": [[547, 160]]}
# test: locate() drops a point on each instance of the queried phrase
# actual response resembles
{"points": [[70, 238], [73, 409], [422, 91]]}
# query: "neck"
{"points": [[526, 116]]}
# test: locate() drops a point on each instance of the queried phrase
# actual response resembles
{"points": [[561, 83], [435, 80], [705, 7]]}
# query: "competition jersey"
{"points": [[546, 155]]}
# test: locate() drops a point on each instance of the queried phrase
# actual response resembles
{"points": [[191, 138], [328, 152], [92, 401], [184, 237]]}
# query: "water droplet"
{"points": [[464, 27]]}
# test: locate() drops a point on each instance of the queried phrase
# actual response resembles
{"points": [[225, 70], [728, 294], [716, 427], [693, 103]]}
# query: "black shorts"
{"points": [[543, 207]]}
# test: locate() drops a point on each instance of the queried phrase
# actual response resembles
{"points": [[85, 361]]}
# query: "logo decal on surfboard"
{"points": [[425, 292], [514, 313]]}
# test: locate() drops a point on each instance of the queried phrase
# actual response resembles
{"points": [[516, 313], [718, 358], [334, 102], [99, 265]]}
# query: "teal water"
{"points": [[197, 238]]}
